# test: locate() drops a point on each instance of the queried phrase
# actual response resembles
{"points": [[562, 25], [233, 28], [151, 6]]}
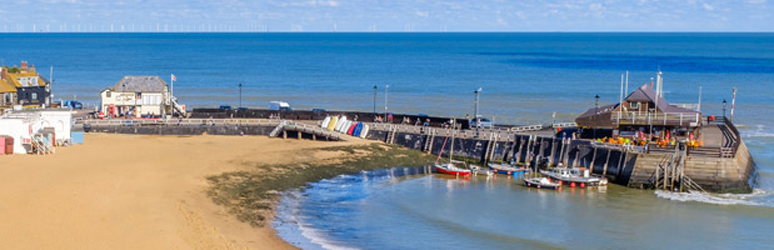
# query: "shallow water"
{"points": [[430, 211]]}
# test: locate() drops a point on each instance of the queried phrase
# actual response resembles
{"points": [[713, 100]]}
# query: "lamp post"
{"points": [[475, 114], [375, 101], [240, 95], [123, 100], [724, 108]]}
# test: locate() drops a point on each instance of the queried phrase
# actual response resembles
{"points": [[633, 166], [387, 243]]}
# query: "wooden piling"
{"points": [[604, 171]]}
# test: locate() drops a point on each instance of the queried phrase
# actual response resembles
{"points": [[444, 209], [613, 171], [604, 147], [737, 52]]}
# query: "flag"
{"points": [[174, 78]]}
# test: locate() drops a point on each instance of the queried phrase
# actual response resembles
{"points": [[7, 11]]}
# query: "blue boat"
{"points": [[507, 169]]}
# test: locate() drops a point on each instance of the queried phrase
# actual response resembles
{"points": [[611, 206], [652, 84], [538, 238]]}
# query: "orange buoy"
{"points": [[572, 184]]}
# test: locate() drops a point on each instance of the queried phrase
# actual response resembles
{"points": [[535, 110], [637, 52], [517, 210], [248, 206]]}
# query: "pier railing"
{"points": [[637, 118], [172, 122]]}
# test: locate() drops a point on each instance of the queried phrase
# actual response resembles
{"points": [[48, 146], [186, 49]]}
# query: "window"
{"points": [[635, 105], [107, 94], [34, 96]]}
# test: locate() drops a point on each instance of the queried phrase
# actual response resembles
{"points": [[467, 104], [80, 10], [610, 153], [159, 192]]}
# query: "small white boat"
{"points": [[575, 177], [542, 183]]}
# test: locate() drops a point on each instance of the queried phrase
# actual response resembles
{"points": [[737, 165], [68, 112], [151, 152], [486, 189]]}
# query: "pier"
{"points": [[722, 165]]}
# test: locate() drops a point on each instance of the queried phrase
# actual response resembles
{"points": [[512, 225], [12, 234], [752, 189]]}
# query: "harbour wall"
{"points": [[629, 168]]}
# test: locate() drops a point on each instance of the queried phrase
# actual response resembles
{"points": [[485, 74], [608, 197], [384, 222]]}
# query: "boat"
{"points": [[351, 129], [364, 132], [476, 170], [541, 183], [452, 167], [325, 122], [332, 123], [575, 177], [507, 169]]}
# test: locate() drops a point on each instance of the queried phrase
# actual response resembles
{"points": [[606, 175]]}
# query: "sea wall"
{"points": [[723, 175], [629, 168]]}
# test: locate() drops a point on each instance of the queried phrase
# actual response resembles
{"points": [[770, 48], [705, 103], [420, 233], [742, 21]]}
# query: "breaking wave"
{"points": [[759, 197], [756, 131]]}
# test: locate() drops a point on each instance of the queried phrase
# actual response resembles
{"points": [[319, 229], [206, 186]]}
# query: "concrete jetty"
{"points": [[722, 165]]}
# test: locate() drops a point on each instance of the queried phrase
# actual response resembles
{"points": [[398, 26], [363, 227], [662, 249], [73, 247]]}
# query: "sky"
{"points": [[385, 15]]}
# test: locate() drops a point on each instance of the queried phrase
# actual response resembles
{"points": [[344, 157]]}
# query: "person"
{"points": [[427, 123], [418, 122]]}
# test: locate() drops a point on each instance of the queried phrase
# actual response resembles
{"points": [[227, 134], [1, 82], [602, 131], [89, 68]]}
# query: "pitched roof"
{"points": [[646, 94], [140, 84], [5, 87], [14, 79]]}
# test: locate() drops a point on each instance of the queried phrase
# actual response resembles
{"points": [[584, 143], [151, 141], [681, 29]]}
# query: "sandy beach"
{"points": [[137, 192]]}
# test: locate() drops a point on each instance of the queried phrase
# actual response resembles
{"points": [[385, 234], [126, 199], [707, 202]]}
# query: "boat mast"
{"points": [[451, 150]]}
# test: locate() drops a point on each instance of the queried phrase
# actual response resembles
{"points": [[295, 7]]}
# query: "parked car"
{"points": [[279, 105], [483, 123], [72, 104]]}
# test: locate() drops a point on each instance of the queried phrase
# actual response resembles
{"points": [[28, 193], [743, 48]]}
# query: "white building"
{"points": [[136, 96], [22, 125]]}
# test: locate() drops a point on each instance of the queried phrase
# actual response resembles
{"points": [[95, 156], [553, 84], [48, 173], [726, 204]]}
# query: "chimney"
{"points": [[24, 67], [4, 73], [32, 68]]}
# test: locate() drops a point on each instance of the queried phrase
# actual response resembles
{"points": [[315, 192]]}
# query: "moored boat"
{"points": [[542, 183], [507, 169], [575, 177], [452, 169]]}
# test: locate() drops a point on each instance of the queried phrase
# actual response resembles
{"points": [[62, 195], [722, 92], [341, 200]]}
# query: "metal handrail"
{"points": [[655, 118]]}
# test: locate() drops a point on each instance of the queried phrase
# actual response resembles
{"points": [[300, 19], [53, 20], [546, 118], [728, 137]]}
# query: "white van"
{"points": [[279, 105]]}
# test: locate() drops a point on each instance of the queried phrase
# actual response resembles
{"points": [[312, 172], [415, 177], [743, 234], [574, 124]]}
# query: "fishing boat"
{"points": [[541, 183], [575, 177], [507, 169], [453, 167]]}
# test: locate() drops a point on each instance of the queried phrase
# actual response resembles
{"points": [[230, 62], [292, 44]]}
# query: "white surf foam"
{"points": [[758, 197], [756, 131]]}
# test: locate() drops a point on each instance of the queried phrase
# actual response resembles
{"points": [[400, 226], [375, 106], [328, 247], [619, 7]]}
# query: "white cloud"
{"points": [[707, 7], [756, 1], [423, 13]]}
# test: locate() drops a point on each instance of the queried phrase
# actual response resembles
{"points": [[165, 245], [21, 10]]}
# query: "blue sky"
{"points": [[374, 15]]}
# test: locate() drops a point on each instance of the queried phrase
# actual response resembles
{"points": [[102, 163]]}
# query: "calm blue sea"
{"points": [[525, 78]]}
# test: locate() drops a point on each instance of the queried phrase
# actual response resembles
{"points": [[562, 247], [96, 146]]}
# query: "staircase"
{"points": [[180, 110], [279, 128], [429, 138], [41, 145], [391, 135], [670, 173]]}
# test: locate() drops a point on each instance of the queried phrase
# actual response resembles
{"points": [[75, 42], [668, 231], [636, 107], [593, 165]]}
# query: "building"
{"points": [[23, 125], [32, 90], [642, 110], [7, 93], [135, 96]]}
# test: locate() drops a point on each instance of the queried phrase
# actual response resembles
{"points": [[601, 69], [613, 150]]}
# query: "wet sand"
{"points": [[137, 192]]}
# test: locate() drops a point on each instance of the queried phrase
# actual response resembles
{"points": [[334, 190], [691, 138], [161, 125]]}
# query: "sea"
{"points": [[526, 78]]}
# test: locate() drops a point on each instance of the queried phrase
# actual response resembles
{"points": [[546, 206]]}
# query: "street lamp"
{"points": [[123, 100], [724, 108], [240, 95], [375, 101]]}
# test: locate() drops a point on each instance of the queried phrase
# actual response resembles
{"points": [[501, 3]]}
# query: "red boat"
{"points": [[450, 168]]}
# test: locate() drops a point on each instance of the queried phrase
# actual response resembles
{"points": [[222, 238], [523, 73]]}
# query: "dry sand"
{"points": [[136, 192]]}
